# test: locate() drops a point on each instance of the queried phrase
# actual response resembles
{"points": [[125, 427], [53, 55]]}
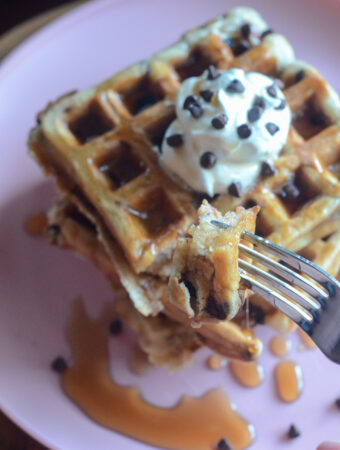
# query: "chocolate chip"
{"points": [[318, 119], [191, 288], [175, 140], [260, 102], [266, 33], [271, 90], [293, 432], [235, 87], [245, 30], [254, 114], [243, 131], [281, 105], [289, 191], [195, 110], [116, 327], [272, 128], [235, 189], [216, 310], [267, 170], [212, 73], [191, 99], [279, 83], [207, 94], [59, 365], [337, 403], [242, 47], [219, 122], [208, 160], [223, 444], [250, 203], [300, 75]]}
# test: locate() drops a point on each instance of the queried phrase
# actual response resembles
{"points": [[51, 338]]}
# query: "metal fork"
{"points": [[312, 302]]}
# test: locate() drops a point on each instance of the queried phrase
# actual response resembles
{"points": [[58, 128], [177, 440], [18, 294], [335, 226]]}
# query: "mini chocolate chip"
{"points": [[243, 131], [207, 94], [245, 30], [212, 73], [250, 203], [300, 75], [242, 47], [289, 191], [116, 327], [219, 122], [281, 105], [272, 90], [196, 110], [272, 128], [230, 42], [235, 86], [235, 189], [254, 114], [337, 403], [208, 160], [293, 432], [223, 444], [260, 102], [279, 83], [59, 365], [191, 288], [216, 310], [267, 170], [191, 99], [175, 140], [266, 32], [319, 120]]}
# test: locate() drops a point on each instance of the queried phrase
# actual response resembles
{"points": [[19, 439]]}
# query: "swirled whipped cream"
{"points": [[230, 128]]}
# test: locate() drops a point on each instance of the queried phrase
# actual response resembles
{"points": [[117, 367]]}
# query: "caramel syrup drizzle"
{"points": [[197, 423]]}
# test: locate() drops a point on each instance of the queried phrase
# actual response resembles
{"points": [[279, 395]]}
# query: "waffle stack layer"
{"points": [[121, 210]]}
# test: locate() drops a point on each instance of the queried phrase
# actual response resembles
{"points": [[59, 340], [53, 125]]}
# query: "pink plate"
{"points": [[37, 282]]}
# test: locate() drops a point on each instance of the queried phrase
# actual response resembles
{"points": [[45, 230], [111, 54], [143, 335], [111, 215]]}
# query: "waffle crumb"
{"points": [[36, 224]]}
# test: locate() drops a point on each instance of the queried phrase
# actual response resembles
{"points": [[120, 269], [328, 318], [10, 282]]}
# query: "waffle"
{"points": [[102, 144]]}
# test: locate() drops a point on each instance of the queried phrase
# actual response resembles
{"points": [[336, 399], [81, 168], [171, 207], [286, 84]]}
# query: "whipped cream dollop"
{"points": [[230, 128]]}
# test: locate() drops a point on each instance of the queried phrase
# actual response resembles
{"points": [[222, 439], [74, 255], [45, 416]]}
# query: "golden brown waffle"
{"points": [[101, 145]]}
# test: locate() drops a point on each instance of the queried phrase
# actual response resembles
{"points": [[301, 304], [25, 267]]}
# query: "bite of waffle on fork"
{"points": [[102, 144]]}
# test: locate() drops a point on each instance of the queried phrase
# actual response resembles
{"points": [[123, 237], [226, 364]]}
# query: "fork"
{"points": [[313, 303]]}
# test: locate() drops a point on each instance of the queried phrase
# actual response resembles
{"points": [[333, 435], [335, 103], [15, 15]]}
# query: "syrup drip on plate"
{"points": [[248, 374], [280, 346], [289, 380], [197, 423]]}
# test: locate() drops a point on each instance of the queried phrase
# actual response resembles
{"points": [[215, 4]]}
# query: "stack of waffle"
{"points": [[118, 207]]}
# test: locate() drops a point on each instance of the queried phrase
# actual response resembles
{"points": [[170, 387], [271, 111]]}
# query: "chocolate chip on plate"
{"points": [[300, 75], [212, 72], [59, 364], [243, 131], [223, 444], [235, 87], [271, 90], [116, 327], [281, 105], [254, 114], [235, 189], [191, 99], [260, 102], [266, 33], [245, 30], [208, 160], [272, 128], [219, 121], [175, 140], [293, 432], [207, 94], [267, 170]]}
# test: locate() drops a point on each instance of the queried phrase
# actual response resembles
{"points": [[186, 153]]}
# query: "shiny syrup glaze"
{"points": [[197, 423], [280, 346], [248, 374], [289, 380], [306, 340]]}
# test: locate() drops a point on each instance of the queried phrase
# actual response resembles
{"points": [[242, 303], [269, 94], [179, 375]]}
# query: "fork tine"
{"points": [[290, 309], [284, 271], [307, 302]]}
